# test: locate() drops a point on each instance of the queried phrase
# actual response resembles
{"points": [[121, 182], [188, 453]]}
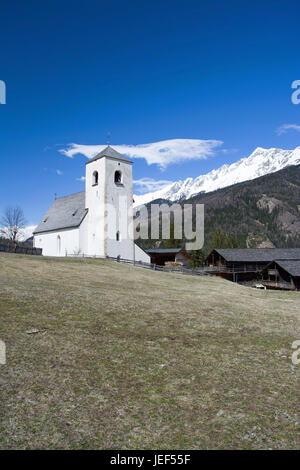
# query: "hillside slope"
{"points": [[127, 358], [264, 212]]}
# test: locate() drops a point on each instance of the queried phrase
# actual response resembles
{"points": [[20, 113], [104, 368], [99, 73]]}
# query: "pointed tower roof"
{"points": [[111, 153]]}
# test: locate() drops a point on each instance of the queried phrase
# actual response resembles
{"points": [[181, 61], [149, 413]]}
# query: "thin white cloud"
{"points": [[163, 153], [59, 172], [228, 151], [145, 185], [82, 178], [286, 127]]}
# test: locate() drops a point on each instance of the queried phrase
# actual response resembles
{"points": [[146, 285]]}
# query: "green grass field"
{"points": [[127, 358]]}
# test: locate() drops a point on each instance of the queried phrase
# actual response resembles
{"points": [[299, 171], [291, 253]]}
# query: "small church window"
{"points": [[118, 177], [118, 236], [95, 178]]}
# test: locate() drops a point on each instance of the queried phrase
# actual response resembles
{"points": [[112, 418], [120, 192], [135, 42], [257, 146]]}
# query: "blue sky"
{"points": [[146, 71]]}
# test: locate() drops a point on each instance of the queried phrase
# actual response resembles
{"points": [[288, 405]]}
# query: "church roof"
{"points": [[65, 212], [111, 153]]}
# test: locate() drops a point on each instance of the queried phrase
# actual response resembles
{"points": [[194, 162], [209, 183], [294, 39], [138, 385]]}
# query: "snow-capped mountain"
{"points": [[260, 162]]}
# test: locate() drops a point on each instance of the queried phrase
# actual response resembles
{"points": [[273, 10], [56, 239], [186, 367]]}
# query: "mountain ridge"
{"points": [[259, 163]]}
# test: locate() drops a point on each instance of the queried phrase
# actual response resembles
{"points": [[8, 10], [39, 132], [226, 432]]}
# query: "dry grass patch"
{"points": [[127, 358]]}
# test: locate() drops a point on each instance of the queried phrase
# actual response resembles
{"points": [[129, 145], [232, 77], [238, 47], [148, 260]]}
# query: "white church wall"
{"points": [[59, 243], [93, 231], [83, 236], [140, 255]]}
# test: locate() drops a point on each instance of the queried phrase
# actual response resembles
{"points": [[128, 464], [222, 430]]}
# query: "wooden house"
{"points": [[246, 264], [282, 274], [175, 255]]}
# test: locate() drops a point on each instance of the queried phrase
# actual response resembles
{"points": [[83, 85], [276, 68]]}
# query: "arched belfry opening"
{"points": [[95, 178], [118, 177]]}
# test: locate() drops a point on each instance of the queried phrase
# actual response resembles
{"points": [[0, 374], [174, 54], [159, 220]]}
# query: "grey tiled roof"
{"points": [[290, 266], [258, 254], [65, 212], [110, 152]]}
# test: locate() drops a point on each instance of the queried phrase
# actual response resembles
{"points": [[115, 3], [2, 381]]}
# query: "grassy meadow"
{"points": [[128, 358]]}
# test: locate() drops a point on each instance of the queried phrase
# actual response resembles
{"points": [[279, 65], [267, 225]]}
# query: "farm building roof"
{"points": [[164, 253], [249, 255], [290, 266], [110, 152], [65, 212]]}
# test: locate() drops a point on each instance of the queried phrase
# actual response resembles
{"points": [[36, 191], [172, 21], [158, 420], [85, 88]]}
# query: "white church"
{"points": [[97, 221]]}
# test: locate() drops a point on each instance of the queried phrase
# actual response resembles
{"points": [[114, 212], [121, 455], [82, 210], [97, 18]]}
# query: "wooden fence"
{"points": [[155, 267], [20, 249]]}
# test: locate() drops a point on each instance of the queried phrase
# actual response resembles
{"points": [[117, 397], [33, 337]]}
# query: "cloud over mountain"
{"points": [[163, 153], [260, 162], [149, 184]]}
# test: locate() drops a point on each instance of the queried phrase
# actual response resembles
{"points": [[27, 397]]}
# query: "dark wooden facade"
{"points": [[282, 274], [250, 266], [238, 261], [176, 255]]}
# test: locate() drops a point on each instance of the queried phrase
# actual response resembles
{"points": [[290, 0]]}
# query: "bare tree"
{"points": [[12, 223]]}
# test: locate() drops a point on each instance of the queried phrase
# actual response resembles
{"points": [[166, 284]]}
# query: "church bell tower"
{"points": [[109, 198]]}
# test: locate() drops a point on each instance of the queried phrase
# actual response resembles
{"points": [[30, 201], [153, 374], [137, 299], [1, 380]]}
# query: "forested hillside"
{"points": [[264, 212]]}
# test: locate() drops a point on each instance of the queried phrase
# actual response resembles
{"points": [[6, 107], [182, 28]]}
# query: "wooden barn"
{"points": [[248, 259], [175, 255], [245, 265], [282, 274]]}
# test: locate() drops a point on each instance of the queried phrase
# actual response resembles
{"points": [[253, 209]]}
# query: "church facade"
{"points": [[97, 221]]}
